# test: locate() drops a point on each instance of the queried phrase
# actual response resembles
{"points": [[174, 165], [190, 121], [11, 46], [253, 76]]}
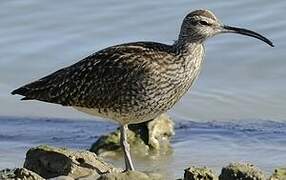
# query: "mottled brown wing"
{"points": [[102, 80]]}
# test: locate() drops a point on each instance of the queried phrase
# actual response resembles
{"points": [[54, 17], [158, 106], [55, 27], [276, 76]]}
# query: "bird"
{"points": [[134, 82]]}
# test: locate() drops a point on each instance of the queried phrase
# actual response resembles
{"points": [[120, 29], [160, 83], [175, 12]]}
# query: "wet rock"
{"points": [[195, 173], [160, 131], [241, 171], [131, 175], [19, 174], [279, 174], [6, 173], [108, 145], [146, 138], [51, 162], [62, 178]]}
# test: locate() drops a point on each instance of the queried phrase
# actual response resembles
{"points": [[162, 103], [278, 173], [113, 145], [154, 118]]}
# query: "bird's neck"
{"points": [[186, 47], [189, 54]]}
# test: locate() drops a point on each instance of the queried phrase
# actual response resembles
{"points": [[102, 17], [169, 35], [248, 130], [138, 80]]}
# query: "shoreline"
{"points": [[191, 144]]}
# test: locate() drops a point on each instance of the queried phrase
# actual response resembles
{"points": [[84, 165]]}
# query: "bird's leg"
{"points": [[126, 148]]}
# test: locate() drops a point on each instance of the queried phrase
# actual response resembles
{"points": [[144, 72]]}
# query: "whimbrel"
{"points": [[133, 82]]}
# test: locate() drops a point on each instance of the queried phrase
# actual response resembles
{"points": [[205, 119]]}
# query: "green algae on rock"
{"points": [[19, 174], [241, 171], [65, 164], [279, 174], [50, 162], [131, 175], [199, 173], [152, 137]]}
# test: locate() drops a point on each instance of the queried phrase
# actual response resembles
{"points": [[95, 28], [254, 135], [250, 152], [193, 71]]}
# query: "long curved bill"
{"points": [[230, 29]]}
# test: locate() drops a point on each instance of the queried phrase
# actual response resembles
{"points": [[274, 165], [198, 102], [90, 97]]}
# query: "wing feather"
{"points": [[102, 79]]}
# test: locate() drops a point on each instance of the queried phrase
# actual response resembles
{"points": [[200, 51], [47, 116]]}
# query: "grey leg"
{"points": [[126, 148]]}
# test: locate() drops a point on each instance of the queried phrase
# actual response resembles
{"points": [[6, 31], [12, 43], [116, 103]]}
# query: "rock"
{"points": [[160, 131], [62, 178], [6, 174], [108, 145], [194, 173], [279, 174], [19, 174], [52, 162], [146, 138], [131, 175], [241, 171]]}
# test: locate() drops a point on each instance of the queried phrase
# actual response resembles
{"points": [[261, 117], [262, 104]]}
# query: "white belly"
{"points": [[118, 117]]}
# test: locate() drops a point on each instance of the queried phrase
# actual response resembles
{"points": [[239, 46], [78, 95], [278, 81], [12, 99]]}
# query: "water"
{"points": [[196, 143], [242, 79]]}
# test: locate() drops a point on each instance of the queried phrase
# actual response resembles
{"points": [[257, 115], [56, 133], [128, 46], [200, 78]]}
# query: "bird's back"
{"points": [[134, 80]]}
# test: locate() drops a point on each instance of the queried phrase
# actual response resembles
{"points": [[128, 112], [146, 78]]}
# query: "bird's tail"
{"points": [[38, 90], [22, 91]]}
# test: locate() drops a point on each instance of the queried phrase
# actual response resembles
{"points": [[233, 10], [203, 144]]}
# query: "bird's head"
{"points": [[200, 25]]}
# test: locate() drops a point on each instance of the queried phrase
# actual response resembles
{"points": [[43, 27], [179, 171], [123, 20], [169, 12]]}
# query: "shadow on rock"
{"points": [[51, 162], [148, 138], [63, 164], [244, 171]]}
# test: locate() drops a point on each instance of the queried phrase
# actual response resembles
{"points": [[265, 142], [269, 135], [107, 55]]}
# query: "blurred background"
{"points": [[243, 79]]}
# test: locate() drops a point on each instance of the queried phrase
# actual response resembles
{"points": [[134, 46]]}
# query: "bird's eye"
{"points": [[204, 23]]}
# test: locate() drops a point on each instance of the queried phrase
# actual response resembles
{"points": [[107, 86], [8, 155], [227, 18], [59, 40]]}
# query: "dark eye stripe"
{"points": [[196, 22], [204, 23]]}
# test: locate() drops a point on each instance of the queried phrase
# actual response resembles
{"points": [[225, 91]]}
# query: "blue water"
{"points": [[242, 77], [214, 144], [241, 87]]}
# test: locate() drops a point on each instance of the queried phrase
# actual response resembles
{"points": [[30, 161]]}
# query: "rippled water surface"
{"points": [[214, 144], [242, 78]]}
